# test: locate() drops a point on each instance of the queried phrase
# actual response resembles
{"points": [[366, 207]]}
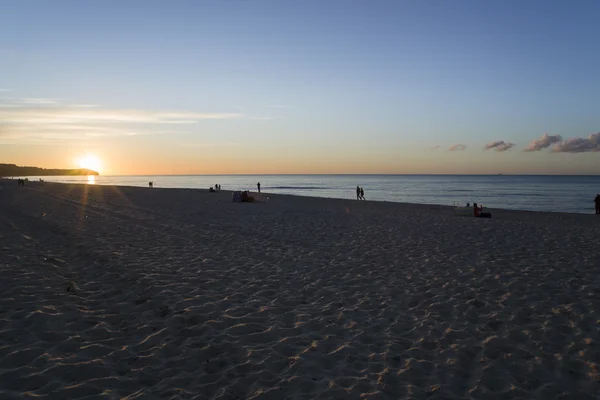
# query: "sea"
{"points": [[574, 194]]}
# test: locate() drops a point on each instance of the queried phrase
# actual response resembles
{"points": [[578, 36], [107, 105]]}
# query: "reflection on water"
{"points": [[91, 179]]}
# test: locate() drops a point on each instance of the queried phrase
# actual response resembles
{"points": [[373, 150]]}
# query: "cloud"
{"points": [[277, 106], [500, 145], [435, 147], [457, 147], [43, 120], [39, 101], [579, 145], [68, 115], [5, 90], [84, 105], [207, 144], [61, 133], [263, 118], [543, 142]]}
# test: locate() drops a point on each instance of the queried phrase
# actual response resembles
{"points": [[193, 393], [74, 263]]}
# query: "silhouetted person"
{"points": [[478, 212], [357, 193], [258, 186], [597, 202], [150, 184], [362, 193]]}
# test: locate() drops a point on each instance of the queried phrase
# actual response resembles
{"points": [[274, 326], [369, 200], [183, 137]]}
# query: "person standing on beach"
{"points": [[357, 193], [362, 193], [258, 186], [597, 202]]}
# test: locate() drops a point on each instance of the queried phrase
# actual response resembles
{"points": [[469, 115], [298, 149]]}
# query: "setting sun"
{"points": [[90, 161]]}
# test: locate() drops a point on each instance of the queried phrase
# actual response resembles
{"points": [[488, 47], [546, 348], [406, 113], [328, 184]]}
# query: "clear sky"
{"points": [[257, 86]]}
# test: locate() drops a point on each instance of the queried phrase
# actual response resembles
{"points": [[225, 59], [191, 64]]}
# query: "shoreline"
{"points": [[498, 211]]}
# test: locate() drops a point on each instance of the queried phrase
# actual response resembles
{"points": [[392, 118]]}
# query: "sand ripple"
{"points": [[182, 294]]}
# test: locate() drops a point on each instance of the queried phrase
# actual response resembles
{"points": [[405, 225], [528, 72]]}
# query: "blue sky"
{"points": [[302, 86]]}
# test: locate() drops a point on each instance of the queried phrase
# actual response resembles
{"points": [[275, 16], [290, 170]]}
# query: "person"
{"points": [[357, 192], [258, 186], [597, 202], [468, 204], [478, 212], [362, 193], [211, 190], [150, 184]]}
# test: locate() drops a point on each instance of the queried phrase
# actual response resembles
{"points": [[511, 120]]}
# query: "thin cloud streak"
{"points": [[457, 147], [20, 134], [544, 142], [39, 101], [41, 120], [208, 144], [579, 145], [76, 115], [499, 146]]}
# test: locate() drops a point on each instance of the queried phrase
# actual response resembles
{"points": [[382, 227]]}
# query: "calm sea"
{"points": [[537, 193]]}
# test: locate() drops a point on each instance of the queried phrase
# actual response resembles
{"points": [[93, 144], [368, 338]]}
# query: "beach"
{"points": [[129, 292]]}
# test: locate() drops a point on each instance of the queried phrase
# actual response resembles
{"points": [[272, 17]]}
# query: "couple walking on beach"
{"points": [[360, 193]]}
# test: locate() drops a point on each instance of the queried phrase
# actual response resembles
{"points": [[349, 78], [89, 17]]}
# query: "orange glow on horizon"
{"points": [[89, 161]]}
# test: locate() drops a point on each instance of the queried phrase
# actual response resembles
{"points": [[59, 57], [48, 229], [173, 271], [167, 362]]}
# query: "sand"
{"points": [[120, 292]]}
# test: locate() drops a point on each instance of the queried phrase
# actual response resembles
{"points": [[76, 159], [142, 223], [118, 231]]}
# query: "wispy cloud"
{"points": [[208, 144], [277, 106], [544, 142], [68, 115], [39, 101], [500, 145], [263, 118], [41, 120], [579, 145], [457, 147], [83, 105], [5, 90]]}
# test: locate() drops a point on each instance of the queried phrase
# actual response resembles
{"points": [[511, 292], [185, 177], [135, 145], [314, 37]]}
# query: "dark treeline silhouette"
{"points": [[13, 170]]}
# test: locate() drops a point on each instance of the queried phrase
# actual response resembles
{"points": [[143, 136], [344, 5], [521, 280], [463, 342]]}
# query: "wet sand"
{"points": [[121, 292]]}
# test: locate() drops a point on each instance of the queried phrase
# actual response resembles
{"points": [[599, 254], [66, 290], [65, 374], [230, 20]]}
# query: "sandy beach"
{"points": [[122, 292]]}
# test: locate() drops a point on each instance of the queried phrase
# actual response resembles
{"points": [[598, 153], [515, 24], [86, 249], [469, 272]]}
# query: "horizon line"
{"points": [[351, 174]]}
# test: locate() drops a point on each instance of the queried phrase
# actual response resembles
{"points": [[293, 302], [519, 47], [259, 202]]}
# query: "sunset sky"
{"points": [[253, 86]]}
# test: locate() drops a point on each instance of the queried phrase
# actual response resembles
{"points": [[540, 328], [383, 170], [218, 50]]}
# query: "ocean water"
{"points": [[536, 193]]}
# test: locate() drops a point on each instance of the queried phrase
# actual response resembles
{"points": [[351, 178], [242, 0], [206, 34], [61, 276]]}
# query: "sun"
{"points": [[90, 161]]}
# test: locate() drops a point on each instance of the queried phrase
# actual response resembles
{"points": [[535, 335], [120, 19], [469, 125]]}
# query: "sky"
{"points": [[257, 86]]}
